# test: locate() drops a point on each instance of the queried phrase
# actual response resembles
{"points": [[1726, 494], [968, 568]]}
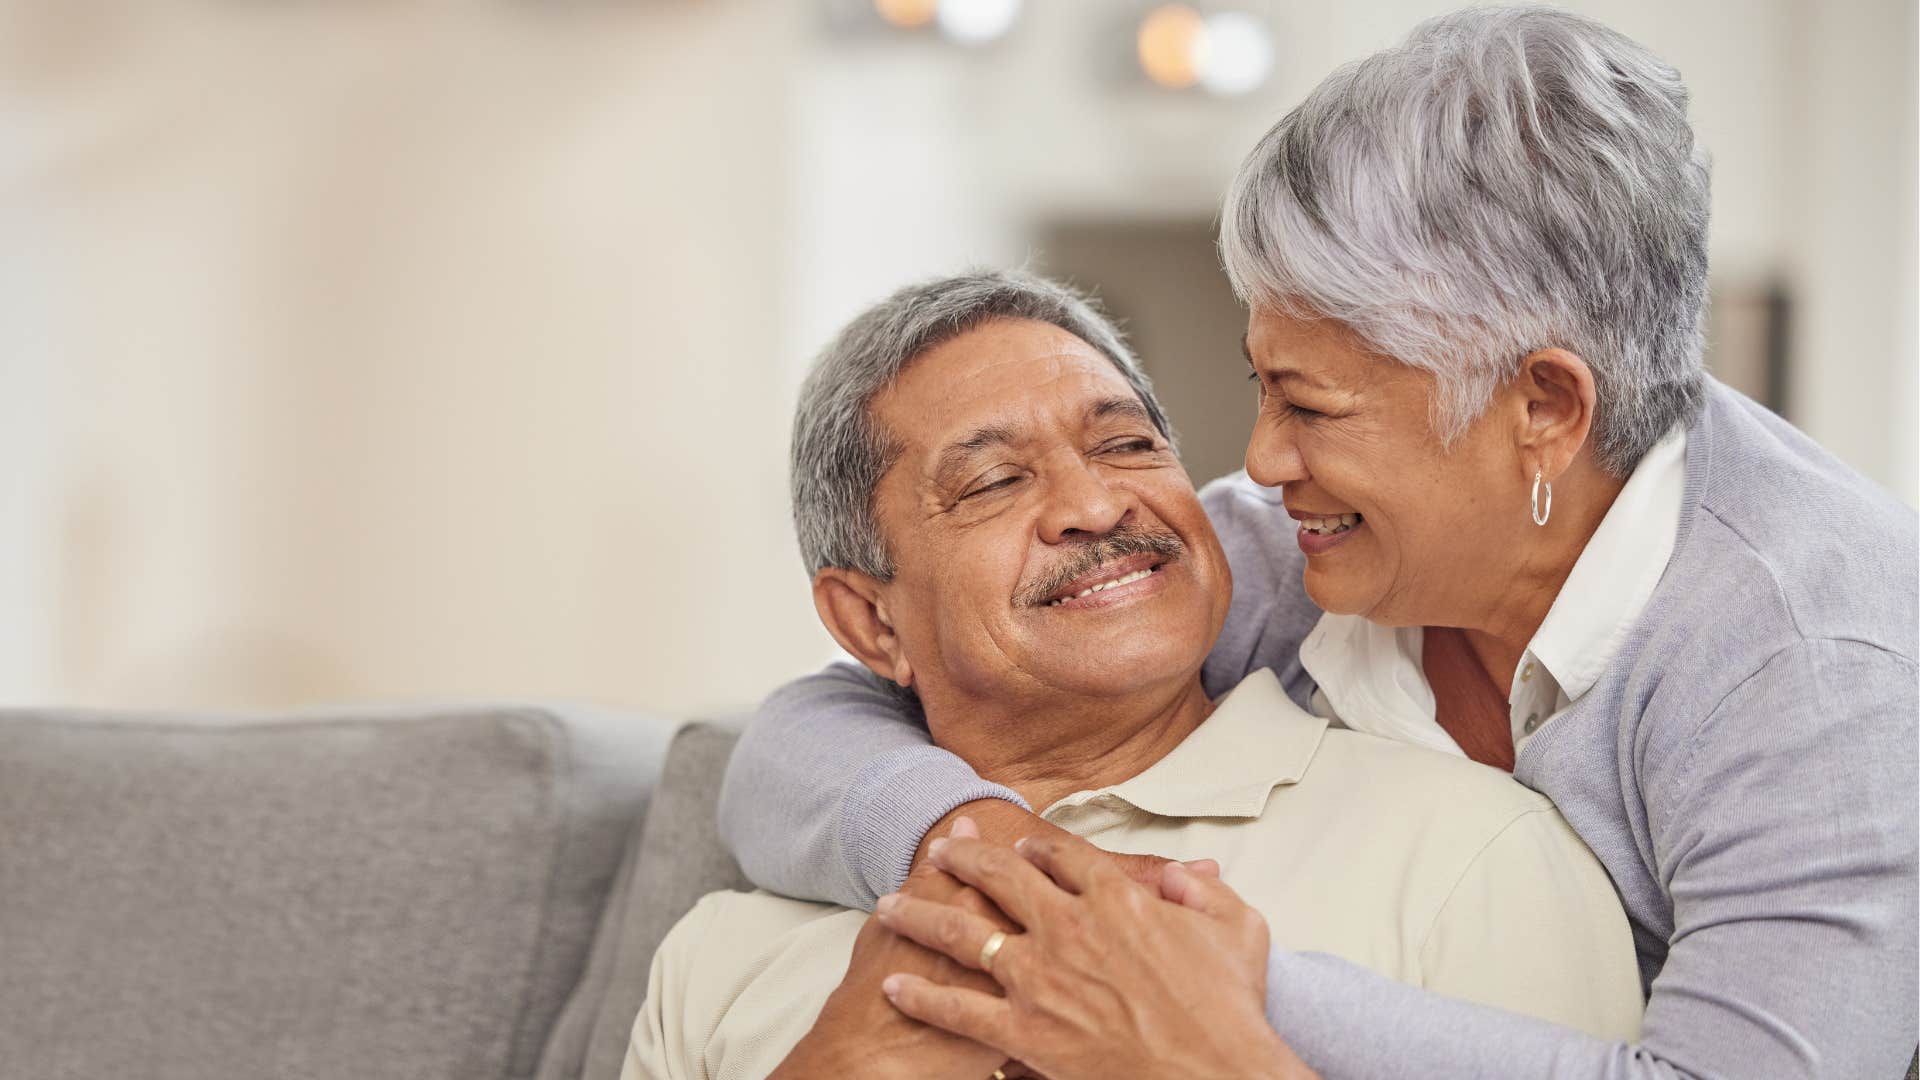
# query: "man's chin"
{"points": [[1118, 673]]}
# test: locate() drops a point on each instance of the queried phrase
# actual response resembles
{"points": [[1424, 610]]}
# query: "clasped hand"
{"points": [[1105, 977]]}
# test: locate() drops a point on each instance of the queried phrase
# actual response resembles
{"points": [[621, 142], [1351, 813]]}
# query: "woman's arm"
{"points": [[1791, 863], [832, 786], [835, 782]]}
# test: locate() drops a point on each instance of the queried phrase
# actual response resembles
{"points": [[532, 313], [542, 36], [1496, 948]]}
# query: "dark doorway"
{"points": [[1161, 280]]}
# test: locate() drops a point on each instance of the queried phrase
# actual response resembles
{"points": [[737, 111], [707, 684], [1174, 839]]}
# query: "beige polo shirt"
{"points": [[1427, 868]]}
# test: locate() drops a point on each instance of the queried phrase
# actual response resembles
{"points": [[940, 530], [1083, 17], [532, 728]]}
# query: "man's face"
{"points": [[1046, 539]]}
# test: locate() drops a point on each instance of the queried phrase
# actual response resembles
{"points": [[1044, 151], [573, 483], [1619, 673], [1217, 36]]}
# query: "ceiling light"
{"points": [[906, 14], [976, 22], [1168, 45], [1234, 54]]}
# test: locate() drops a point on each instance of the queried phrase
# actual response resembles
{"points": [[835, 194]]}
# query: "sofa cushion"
{"points": [[360, 893], [675, 859]]}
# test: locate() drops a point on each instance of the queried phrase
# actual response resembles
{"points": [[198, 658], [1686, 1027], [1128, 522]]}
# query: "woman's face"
{"points": [[1395, 527]]}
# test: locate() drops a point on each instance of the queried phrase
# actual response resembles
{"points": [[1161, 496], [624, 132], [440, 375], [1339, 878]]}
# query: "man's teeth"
{"points": [[1125, 579], [1327, 526]]}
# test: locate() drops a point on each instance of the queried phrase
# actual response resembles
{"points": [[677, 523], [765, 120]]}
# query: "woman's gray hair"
{"points": [[1507, 180], [840, 453]]}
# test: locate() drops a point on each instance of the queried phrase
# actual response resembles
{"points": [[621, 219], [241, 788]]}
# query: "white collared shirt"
{"points": [[1431, 870], [1369, 677]]}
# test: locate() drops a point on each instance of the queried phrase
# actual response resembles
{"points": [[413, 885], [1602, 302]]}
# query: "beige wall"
{"points": [[398, 351], [359, 350]]}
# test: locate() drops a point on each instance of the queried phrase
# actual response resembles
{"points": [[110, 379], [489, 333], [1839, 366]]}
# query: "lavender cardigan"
{"points": [[1745, 769]]}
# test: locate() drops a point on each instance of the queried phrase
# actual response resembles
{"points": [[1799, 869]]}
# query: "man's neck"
{"points": [[1048, 750]]}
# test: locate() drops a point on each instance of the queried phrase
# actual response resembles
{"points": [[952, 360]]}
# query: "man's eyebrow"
{"points": [[1127, 407], [959, 452]]}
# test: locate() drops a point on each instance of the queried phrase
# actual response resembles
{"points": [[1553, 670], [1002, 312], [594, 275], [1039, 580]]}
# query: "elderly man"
{"points": [[997, 524]]}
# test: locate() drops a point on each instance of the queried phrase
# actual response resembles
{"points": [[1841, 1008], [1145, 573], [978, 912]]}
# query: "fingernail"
{"points": [[890, 985], [957, 822], [933, 849], [884, 905]]}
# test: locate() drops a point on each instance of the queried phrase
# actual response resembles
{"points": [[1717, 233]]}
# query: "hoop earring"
{"points": [[1540, 516]]}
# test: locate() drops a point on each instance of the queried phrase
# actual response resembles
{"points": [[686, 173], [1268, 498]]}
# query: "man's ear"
{"points": [[1553, 401], [853, 607]]}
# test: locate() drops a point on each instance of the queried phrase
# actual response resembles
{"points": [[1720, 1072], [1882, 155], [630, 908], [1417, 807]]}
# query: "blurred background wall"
{"points": [[357, 349]]}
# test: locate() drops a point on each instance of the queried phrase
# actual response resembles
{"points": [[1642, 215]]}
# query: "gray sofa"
{"points": [[467, 892], [471, 892]]}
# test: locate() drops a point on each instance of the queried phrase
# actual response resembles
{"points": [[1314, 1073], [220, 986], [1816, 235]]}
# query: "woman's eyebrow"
{"points": [[1283, 374]]}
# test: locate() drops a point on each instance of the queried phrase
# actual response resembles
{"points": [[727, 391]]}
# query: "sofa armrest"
{"points": [[674, 859]]}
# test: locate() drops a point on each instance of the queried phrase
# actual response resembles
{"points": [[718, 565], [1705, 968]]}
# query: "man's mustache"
{"points": [[1096, 552]]}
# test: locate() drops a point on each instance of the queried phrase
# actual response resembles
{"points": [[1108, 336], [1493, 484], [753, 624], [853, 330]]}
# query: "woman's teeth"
{"points": [[1125, 579], [1328, 526]]}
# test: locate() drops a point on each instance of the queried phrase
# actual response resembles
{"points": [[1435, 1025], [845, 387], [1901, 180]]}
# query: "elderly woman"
{"points": [[1492, 505]]}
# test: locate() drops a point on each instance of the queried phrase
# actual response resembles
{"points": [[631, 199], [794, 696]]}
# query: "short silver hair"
{"points": [[1508, 179], [840, 453]]}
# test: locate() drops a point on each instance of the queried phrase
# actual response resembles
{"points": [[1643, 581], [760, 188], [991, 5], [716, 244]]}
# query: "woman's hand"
{"points": [[1107, 978]]}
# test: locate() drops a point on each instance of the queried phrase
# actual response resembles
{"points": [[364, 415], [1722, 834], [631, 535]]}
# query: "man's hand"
{"points": [[859, 1033], [1107, 978]]}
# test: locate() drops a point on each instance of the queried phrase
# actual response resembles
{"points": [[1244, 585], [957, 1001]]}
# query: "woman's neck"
{"points": [[1500, 633]]}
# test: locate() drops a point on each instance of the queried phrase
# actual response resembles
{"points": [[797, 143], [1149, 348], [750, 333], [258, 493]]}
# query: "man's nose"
{"points": [[1273, 457], [1080, 501]]}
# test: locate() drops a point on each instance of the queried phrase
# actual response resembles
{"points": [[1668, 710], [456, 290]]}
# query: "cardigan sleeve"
{"points": [[1790, 857]]}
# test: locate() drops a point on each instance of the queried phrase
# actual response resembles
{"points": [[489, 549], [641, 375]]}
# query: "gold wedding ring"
{"points": [[999, 1074], [991, 949]]}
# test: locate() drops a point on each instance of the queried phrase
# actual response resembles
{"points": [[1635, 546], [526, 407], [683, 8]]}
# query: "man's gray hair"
{"points": [[840, 453], [1507, 180]]}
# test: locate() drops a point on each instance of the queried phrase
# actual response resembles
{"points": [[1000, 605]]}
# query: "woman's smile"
{"points": [[1321, 533]]}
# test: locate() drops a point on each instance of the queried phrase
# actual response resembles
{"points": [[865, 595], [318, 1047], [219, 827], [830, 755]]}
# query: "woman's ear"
{"points": [[1555, 389], [853, 607]]}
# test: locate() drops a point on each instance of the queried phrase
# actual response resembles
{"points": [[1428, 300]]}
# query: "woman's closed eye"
{"points": [[1290, 408]]}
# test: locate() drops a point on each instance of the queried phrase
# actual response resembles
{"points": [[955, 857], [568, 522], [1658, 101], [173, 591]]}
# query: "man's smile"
{"points": [[1112, 583]]}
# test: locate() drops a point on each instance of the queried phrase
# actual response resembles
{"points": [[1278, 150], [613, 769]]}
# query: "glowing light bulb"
{"points": [[1169, 44], [906, 14], [976, 22], [1234, 53]]}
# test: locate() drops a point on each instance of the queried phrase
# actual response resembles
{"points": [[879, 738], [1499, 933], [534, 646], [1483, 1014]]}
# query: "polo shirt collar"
{"points": [[1257, 739]]}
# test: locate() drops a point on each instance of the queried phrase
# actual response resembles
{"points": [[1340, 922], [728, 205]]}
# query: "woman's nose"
{"points": [[1273, 458]]}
